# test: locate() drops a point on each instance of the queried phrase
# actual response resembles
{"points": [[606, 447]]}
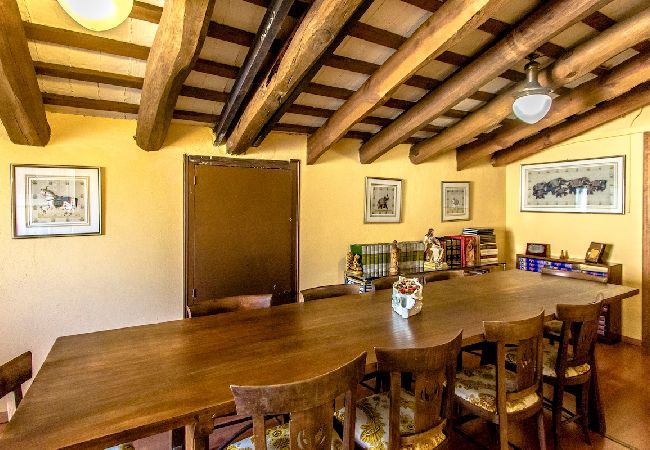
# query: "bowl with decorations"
{"points": [[407, 297]]}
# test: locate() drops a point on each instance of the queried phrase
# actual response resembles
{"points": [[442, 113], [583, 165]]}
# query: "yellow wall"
{"points": [[574, 232], [133, 273]]}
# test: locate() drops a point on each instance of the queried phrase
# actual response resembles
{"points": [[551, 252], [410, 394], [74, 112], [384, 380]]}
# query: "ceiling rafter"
{"points": [[544, 23], [574, 64], [619, 80], [451, 23], [605, 112], [21, 104]]}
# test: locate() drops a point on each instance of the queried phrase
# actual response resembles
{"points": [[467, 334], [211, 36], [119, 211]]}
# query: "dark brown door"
{"points": [[241, 232]]}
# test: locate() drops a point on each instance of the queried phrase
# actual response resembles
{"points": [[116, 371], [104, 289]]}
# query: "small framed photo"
{"points": [[55, 200], [595, 253], [383, 200], [455, 200], [533, 249]]}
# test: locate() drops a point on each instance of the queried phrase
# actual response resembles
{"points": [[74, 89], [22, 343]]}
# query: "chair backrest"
{"points": [[333, 290], [441, 276], [384, 283], [435, 374], [228, 304], [13, 374], [575, 275], [310, 404], [579, 332], [527, 334]]}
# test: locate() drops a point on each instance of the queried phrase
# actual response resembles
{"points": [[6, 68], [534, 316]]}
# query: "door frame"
{"points": [[645, 238], [293, 166]]}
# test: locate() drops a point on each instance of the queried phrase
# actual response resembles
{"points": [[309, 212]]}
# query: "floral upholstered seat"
{"points": [[371, 429], [478, 387], [553, 327], [277, 438], [550, 359]]}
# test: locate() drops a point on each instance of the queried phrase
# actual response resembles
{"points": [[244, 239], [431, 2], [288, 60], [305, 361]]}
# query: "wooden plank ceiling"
{"points": [[456, 95]]}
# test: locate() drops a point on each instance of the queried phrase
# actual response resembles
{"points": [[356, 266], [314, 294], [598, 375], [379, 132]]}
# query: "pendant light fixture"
{"points": [[98, 15], [533, 101]]}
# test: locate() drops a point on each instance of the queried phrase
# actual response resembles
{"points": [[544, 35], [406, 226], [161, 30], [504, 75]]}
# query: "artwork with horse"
{"points": [[58, 200]]}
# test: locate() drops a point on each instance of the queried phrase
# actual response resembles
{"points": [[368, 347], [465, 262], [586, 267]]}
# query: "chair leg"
{"points": [[541, 434], [584, 410], [558, 400]]}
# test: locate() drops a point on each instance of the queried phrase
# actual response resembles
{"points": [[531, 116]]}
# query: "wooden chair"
{"points": [[333, 290], [381, 284], [441, 276], [13, 374], [309, 403], [228, 304], [552, 328], [570, 366], [401, 419], [499, 395]]}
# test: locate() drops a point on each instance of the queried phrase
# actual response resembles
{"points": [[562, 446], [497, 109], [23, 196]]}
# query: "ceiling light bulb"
{"points": [[533, 101], [98, 15]]}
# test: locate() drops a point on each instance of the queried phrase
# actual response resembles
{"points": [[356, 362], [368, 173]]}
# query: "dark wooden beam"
{"points": [[442, 30], [322, 23], [21, 104], [303, 129], [605, 112], [255, 59], [175, 49], [547, 21]]}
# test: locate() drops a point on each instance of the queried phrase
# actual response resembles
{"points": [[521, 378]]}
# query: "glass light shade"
{"points": [[98, 15], [532, 108]]}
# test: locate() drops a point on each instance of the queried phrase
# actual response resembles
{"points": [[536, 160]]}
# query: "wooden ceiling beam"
{"points": [[322, 23], [21, 103], [547, 21], [352, 134], [619, 80], [572, 65], [255, 59], [176, 47], [446, 27], [605, 112]]}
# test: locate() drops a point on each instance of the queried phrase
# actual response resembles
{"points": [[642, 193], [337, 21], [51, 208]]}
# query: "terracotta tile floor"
{"points": [[623, 370]]}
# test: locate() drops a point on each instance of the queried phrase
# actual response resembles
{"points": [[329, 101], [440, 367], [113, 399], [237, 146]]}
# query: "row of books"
{"points": [[375, 258], [536, 265], [487, 244]]}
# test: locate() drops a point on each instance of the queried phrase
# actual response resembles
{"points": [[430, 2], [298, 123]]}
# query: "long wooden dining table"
{"points": [[99, 389]]}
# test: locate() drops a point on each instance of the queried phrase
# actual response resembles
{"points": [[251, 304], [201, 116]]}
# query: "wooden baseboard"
{"points": [[629, 340], [4, 417]]}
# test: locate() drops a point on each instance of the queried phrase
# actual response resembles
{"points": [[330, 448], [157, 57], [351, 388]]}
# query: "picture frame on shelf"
{"points": [[383, 203], [455, 200], [534, 249], [595, 253], [50, 201], [580, 186]]}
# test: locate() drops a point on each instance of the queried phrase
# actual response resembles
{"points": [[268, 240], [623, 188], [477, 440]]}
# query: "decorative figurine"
{"points": [[434, 253], [470, 253], [394, 259], [353, 267]]}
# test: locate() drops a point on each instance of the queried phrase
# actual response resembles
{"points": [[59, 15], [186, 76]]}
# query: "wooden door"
{"points": [[241, 228]]}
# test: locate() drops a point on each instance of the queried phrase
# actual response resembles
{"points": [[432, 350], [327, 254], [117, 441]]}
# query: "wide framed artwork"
{"points": [[455, 201], [55, 200], [383, 200], [582, 186]]}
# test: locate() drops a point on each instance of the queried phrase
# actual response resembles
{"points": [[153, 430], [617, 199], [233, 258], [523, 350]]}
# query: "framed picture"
{"points": [[533, 249], [455, 200], [55, 200], [383, 200], [595, 253], [585, 186]]}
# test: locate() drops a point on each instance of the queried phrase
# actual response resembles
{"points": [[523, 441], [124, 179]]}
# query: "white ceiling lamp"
{"points": [[98, 15], [533, 101]]}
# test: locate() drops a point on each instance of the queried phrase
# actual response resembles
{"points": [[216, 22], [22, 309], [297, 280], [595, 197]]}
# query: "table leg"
{"points": [[197, 434]]}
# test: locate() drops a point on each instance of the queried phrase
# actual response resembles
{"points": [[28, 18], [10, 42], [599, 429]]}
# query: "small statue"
{"points": [[433, 252], [470, 253], [394, 259], [352, 265]]}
